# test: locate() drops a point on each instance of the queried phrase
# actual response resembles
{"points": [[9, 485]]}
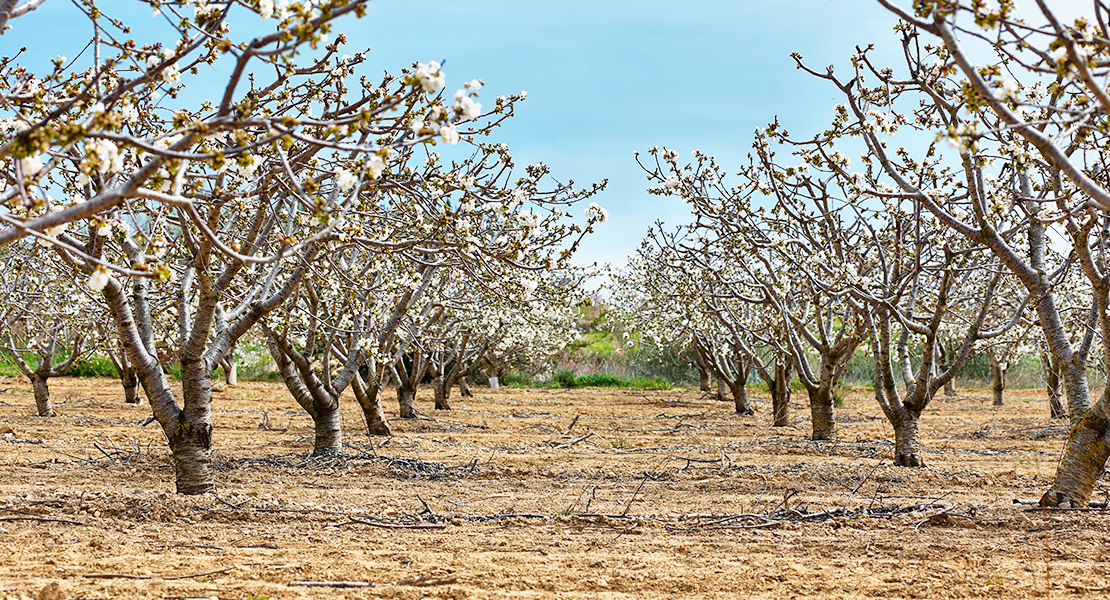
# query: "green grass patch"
{"points": [[568, 380]]}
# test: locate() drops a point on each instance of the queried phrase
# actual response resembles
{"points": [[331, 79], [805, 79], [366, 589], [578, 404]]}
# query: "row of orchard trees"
{"points": [[975, 218], [304, 204]]}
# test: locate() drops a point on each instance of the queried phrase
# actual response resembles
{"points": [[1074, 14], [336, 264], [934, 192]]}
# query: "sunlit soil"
{"points": [[538, 494]]}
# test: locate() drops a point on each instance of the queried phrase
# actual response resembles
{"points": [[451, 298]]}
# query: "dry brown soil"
{"points": [[670, 495]]}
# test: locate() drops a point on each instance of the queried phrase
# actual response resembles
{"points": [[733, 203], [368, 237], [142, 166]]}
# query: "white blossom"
{"points": [[30, 165], [593, 211], [375, 165], [429, 76], [449, 134], [345, 180], [98, 280]]}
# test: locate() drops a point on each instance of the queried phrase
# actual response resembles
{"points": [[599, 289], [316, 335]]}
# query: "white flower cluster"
{"points": [[466, 106], [595, 212], [30, 165], [98, 280], [345, 180], [449, 134], [103, 156], [375, 165], [1008, 89], [429, 76]]}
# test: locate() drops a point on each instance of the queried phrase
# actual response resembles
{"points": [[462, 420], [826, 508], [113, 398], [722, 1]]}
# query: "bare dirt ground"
{"points": [[647, 495]]}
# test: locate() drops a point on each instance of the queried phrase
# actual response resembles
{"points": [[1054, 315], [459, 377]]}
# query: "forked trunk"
{"points": [[375, 420], [907, 449], [369, 398], [821, 412], [42, 396], [406, 399], [442, 392], [329, 430], [1084, 459]]}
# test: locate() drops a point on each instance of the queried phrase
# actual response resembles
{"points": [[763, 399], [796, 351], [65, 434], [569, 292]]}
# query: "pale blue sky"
{"points": [[604, 77], [607, 77]]}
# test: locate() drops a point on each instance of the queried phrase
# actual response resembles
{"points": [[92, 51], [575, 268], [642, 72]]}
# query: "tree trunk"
{"points": [[780, 406], [703, 380], [999, 383], [442, 392], [329, 430], [191, 456], [907, 450], [739, 391], [998, 374], [130, 387], [464, 388], [1053, 385], [821, 412], [723, 392], [1084, 459], [406, 398], [369, 398], [191, 440], [947, 355], [42, 396], [780, 396]]}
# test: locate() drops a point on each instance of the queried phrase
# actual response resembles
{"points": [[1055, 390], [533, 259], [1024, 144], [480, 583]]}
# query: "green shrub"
{"points": [[93, 366], [516, 380], [563, 379]]}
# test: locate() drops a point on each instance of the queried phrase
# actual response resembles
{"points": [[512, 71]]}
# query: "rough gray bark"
{"points": [[188, 427], [1083, 461], [42, 396], [779, 388], [907, 449], [998, 375], [127, 377], [406, 399], [739, 391], [442, 392], [821, 412], [946, 354], [723, 392], [999, 386], [704, 370]]}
